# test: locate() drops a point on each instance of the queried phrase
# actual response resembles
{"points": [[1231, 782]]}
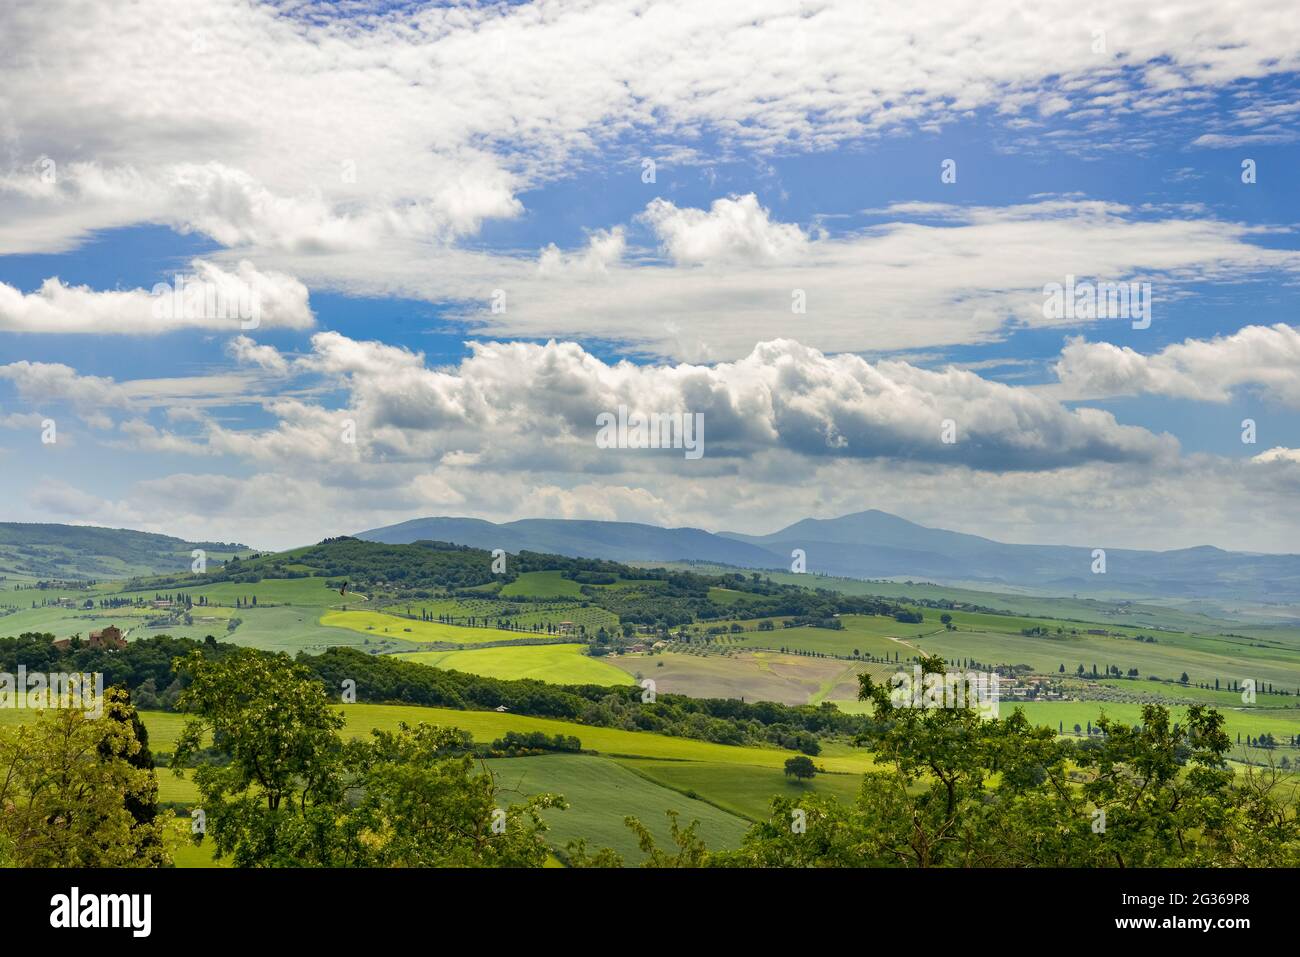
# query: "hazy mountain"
{"points": [[874, 544], [618, 541], [86, 551]]}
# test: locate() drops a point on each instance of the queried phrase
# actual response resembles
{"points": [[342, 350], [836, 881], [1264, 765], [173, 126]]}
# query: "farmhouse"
{"points": [[110, 638]]}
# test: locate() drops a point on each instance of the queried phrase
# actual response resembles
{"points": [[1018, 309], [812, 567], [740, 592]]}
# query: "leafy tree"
{"points": [[272, 803], [76, 791], [952, 789], [422, 805], [800, 767], [289, 792]]}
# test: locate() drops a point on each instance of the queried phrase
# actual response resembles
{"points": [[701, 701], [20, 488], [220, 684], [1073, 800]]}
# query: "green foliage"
{"points": [[291, 793], [800, 768], [689, 848], [955, 790], [421, 805], [521, 742], [78, 791]]}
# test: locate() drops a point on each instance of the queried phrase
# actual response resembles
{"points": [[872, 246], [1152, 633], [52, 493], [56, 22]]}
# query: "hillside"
{"points": [[617, 541], [79, 552], [423, 571], [875, 544]]}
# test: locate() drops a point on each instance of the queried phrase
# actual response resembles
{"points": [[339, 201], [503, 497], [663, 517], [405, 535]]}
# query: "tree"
{"points": [[423, 805], [800, 768], [949, 788], [76, 791], [271, 802], [287, 791]]}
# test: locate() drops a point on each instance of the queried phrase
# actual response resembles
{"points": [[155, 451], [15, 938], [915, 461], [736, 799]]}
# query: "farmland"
{"points": [[718, 639], [749, 675], [559, 663], [635, 773], [601, 793], [379, 625], [542, 585]]}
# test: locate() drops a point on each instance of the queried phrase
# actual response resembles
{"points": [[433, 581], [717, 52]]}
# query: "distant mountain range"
{"points": [[875, 544], [84, 551]]}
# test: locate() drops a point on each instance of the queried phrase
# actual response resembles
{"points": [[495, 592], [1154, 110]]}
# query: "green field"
{"points": [[558, 664], [1282, 724], [550, 584], [745, 791], [292, 629], [600, 794], [1219, 699], [489, 725], [164, 728], [1181, 615], [637, 773], [866, 634], [524, 614], [995, 640], [378, 625], [310, 592], [748, 675], [1203, 658]]}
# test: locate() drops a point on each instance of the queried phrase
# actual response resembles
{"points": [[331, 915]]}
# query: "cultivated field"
{"points": [[749, 675], [558, 664]]}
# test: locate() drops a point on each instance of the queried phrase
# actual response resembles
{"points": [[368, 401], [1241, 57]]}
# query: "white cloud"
{"points": [[1279, 454], [735, 229], [930, 275], [51, 382], [1263, 359], [604, 248], [208, 297], [526, 406], [424, 122], [247, 352], [1092, 505]]}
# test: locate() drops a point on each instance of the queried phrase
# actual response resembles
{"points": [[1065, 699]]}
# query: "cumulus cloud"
{"points": [[524, 405], [247, 352], [604, 248], [1263, 359], [1280, 455], [734, 229], [208, 297]]}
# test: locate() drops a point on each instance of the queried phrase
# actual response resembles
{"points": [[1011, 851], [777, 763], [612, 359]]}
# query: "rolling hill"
{"points": [[78, 552], [875, 544], [616, 541]]}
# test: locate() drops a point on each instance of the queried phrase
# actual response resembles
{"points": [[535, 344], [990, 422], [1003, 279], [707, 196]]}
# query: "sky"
{"points": [[271, 272]]}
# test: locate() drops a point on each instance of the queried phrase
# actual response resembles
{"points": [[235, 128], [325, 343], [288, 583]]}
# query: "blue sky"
{"points": [[377, 183]]}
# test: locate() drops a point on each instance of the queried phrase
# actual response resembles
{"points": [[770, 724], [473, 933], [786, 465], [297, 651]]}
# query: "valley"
{"points": [[688, 632]]}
